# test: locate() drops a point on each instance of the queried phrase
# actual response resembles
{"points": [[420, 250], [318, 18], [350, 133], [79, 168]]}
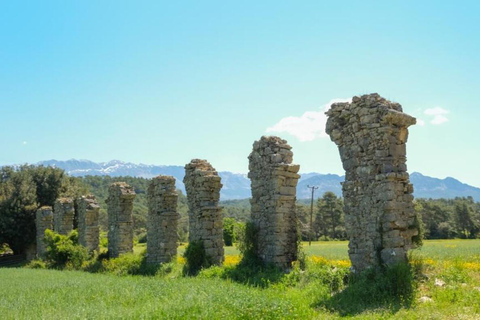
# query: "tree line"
{"points": [[26, 188]]}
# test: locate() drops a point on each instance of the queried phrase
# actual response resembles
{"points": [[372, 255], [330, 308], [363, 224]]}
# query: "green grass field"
{"points": [[50, 294]]}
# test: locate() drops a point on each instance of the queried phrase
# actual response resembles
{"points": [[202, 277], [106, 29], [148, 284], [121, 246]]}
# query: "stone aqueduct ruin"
{"points": [[371, 134]]}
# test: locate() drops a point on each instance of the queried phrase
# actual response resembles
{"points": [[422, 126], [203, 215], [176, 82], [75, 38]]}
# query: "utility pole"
{"points": [[311, 214]]}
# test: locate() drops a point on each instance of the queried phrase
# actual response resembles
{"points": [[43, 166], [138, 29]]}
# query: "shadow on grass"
{"points": [[127, 264], [252, 272], [389, 289]]}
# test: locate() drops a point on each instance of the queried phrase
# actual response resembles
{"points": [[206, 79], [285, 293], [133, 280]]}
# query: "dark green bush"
{"points": [[64, 251], [142, 238], [247, 244], [196, 258], [392, 287]]}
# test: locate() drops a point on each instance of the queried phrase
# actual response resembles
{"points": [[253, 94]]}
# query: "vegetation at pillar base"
{"points": [[195, 258], [64, 250]]}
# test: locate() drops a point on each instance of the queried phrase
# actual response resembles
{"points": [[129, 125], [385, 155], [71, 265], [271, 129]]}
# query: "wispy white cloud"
{"points": [[307, 127], [24, 142], [439, 115], [420, 122]]}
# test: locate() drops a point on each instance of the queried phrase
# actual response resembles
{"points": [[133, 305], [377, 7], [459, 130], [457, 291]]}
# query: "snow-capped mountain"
{"points": [[237, 186]]}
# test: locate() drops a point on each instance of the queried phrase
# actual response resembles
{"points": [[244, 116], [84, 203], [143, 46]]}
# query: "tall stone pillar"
{"points": [[274, 180], [203, 185], [162, 220], [120, 220], [371, 135], [88, 229], [44, 221], [63, 213]]}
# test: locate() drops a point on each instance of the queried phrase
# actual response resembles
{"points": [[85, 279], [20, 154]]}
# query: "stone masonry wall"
{"points": [[162, 220], [371, 134], [120, 221], [203, 185], [44, 221], [63, 213], [274, 180], [88, 228]]}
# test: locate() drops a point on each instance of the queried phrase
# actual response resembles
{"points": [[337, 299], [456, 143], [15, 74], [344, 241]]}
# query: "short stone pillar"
{"points": [[203, 185], [63, 213], [371, 134], [44, 221], [162, 220], [274, 180], [120, 218], [87, 215]]}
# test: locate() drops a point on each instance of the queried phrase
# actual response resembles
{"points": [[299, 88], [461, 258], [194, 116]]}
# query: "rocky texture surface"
{"points": [[120, 221], [88, 228], [44, 221], [371, 134], [203, 185], [63, 213], [274, 179], [162, 220]]}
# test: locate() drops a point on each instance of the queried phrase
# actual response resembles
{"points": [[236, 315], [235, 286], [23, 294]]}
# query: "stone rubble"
{"points": [[88, 228], [120, 219], [44, 221], [274, 180], [162, 220], [371, 134], [203, 185], [63, 214]]}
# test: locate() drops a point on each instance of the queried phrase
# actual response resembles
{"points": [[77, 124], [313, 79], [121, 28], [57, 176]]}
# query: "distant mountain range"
{"points": [[237, 186]]}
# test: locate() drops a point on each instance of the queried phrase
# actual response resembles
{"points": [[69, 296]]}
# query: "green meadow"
{"points": [[446, 286]]}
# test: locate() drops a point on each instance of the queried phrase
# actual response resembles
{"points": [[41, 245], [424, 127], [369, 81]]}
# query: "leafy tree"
{"points": [[18, 204], [229, 236], [330, 214], [303, 214], [22, 191], [464, 216]]}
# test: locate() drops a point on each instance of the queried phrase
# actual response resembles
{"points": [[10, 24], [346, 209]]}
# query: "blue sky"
{"points": [[162, 82]]}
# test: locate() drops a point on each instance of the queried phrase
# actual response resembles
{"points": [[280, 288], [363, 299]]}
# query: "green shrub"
{"points": [[36, 264], [392, 287], [64, 251], [142, 238], [103, 240], [125, 264], [247, 244], [195, 258]]}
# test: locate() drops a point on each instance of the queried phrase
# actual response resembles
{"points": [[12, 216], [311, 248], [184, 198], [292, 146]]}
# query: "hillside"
{"points": [[237, 186]]}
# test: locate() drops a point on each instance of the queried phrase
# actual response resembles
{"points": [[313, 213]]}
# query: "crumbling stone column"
{"points": [[274, 180], [371, 134], [63, 213], [44, 221], [120, 220], [87, 215], [203, 185], [162, 220]]}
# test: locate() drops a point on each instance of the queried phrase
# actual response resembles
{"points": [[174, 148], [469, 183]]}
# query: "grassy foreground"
{"points": [[449, 288]]}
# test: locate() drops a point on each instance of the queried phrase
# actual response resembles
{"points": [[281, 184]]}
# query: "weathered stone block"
{"points": [[273, 181], [87, 215], [120, 221], [63, 213], [162, 220], [203, 185], [44, 221], [371, 135]]}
